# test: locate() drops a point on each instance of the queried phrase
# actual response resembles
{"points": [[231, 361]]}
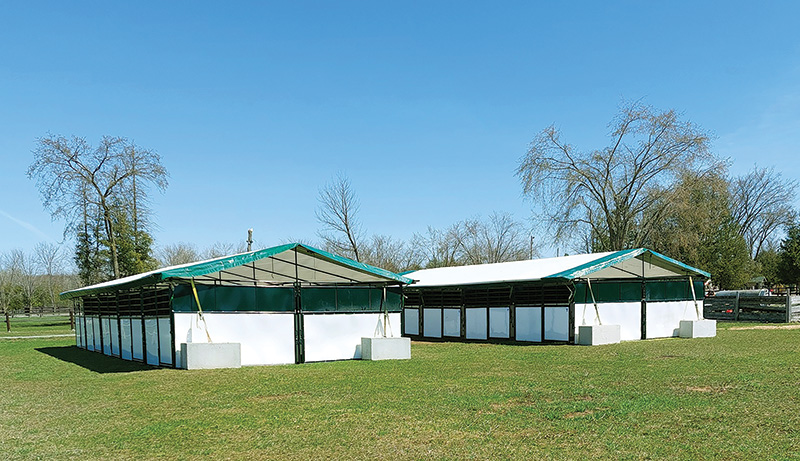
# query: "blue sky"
{"points": [[425, 106]]}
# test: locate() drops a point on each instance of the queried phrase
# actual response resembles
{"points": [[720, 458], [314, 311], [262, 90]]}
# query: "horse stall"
{"points": [[629, 295], [287, 304]]}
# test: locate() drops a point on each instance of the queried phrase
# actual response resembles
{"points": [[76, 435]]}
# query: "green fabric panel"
{"points": [[609, 292], [356, 299], [318, 299], [606, 292], [277, 299], [630, 291], [673, 290], [656, 291], [281, 299], [394, 299], [699, 289], [350, 299], [183, 299], [581, 294], [232, 299]]}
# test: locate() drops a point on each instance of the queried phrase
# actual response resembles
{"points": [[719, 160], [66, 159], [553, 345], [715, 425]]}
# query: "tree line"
{"points": [[31, 280], [656, 184]]}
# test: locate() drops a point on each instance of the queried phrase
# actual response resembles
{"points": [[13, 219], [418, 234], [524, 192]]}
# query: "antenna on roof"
{"points": [[250, 239], [532, 237]]}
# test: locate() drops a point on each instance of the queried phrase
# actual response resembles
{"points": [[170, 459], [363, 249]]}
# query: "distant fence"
{"points": [[773, 309], [40, 311]]}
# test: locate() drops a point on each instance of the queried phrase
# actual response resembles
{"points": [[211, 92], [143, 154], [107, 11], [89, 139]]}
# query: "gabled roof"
{"points": [[282, 264], [625, 264]]}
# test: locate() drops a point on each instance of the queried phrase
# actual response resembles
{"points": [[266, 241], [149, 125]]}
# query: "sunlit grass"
{"points": [[35, 325], [730, 397]]}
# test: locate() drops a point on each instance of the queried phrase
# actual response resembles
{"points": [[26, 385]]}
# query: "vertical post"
{"points": [[542, 316], [644, 310], [463, 317], [788, 308], [8, 322], [385, 311], [512, 315], [299, 330], [571, 314], [250, 240], [299, 333], [72, 319], [144, 333], [100, 325], [736, 307]]}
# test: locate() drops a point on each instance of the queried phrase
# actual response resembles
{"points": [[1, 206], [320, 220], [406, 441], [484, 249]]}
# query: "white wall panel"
{"points": [[105, 327], [499, 322], [476, 323], [265, 338], [79, 331], [89, 332], [432, 323], [528, 323], [411, 321], [663, 318], [126, 349], [556, 323], [97, 346], [338, 336], [452, 322], [136, 339], [165, 340], [627, 315], [114, 337], [151, 340]]}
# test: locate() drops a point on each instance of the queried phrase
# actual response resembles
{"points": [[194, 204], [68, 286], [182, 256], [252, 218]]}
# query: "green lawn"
{"points": [[36, 326], [730, 397]]}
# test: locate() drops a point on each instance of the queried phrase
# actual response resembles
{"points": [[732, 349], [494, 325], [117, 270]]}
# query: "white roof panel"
{"points": [[636, 263]]}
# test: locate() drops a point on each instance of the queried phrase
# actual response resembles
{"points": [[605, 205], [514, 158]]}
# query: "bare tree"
{"points": [[437, 248], [23, 269], [388, 253], [337, 212], [77, 181], [605, 192], [7, 283], [220, 249], [50, 261], [498, 239], [178, 253], [762, 205]]}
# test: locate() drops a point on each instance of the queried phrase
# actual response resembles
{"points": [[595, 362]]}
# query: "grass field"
{"points": [[36, 326], [730, 397]]}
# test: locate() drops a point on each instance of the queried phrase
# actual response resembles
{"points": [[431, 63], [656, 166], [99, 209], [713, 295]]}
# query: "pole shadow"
{"points": [[94, 361]]}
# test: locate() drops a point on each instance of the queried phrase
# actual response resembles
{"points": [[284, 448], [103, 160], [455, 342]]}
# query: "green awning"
{"points": [[638, 262], [280, 265]]}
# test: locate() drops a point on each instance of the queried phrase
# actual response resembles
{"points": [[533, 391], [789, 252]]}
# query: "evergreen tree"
{"points": [[789, 265]]}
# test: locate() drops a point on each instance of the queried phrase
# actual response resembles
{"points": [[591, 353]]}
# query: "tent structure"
{"points": [[286, 304], [546, 300]]}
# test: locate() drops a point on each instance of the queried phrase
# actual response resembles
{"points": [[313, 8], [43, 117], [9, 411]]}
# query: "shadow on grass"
{"points": [[94, 361]]}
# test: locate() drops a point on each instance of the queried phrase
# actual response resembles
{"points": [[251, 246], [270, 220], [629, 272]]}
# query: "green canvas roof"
{"points": [[284, 264]]}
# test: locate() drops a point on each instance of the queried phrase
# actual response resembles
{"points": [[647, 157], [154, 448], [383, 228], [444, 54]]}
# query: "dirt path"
{"points": [[35, 337]]}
